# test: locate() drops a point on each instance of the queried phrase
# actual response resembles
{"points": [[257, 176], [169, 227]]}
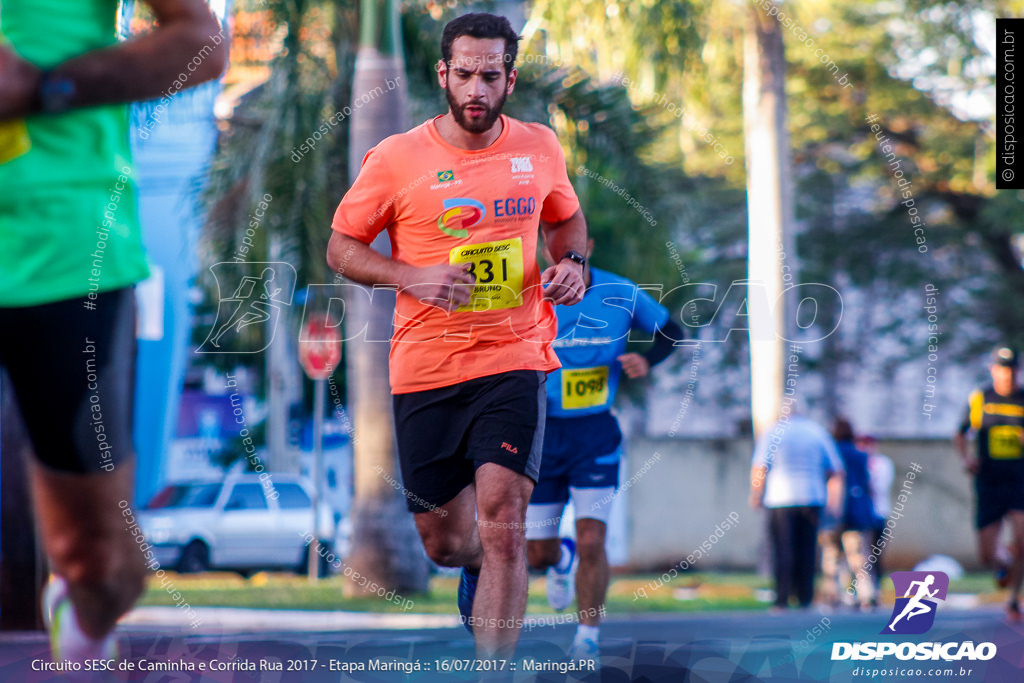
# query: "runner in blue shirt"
{"points": [[582, 441]]}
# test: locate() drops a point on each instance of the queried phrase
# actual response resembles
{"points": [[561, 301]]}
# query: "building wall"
{"points": [[691, 486]]}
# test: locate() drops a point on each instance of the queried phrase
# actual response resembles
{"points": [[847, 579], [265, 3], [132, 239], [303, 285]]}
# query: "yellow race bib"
{"points": [[13, 140], [13, 135], [498, 268], [1004, 442], [584, 387]]}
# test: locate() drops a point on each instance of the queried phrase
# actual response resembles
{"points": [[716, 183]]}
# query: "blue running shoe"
{"points": [[467, 591], [1002, 576]]}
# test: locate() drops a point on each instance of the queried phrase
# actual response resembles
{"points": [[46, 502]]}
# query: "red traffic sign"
{"points": [[320, 347]]}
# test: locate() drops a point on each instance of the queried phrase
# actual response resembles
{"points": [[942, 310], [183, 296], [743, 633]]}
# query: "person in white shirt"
{"points": [[796, 472]]}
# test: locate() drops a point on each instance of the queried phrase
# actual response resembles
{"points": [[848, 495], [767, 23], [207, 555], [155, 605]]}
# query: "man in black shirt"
{"points": [[995, 414]]}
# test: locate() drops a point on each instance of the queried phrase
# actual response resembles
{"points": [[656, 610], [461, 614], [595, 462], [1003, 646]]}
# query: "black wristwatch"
{"points": [[54, 93], [575, 257]]}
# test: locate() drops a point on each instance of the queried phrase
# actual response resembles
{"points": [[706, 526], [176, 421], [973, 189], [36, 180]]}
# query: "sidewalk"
{"points": [[267, 620]]}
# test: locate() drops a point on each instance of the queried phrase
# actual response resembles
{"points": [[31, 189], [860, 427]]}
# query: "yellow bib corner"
{"points": [[14, 140]]}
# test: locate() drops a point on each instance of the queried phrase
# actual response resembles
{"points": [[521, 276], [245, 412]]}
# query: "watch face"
{"points": [[55, 94]]}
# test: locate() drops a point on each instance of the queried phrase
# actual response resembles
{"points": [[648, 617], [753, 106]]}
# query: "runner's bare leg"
{"points": [[1016, 577], [988, 539], [449, 532], [592, 573], [502, 497], [88, 542]]}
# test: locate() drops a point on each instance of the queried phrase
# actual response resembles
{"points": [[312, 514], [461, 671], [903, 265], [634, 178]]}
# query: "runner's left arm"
{"points": [[652, 317], [565, 278], [637, 365]]}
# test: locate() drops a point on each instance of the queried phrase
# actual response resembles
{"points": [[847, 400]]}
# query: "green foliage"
{"points": [[236, 449], [279, 147], [644, 154]]}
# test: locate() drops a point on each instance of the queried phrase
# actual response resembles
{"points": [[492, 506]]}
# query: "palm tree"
{"points": [[254, 163], [385, 545]]}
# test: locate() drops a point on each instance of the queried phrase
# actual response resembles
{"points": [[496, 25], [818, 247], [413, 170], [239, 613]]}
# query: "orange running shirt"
{"points": [[443, 204]]}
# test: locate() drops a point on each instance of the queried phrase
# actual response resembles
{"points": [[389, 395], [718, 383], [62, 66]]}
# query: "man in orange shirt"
{"points": [[461, 197]]}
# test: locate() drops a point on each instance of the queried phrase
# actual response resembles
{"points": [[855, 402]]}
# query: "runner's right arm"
{"points": [[187, 35], [974, 405], [361, 263], [758, 474], [964, 452]]}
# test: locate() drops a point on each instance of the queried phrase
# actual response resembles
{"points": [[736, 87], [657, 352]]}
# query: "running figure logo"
{"points": [[255, 300], [914, 612]]}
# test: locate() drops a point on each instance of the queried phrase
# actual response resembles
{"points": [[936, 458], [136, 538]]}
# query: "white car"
{"points": [[242, 523]]}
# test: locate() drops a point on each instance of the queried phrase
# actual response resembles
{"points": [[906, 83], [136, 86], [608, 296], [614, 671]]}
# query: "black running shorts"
{"points": [[995, 498], [72, 364], [445, 434]]}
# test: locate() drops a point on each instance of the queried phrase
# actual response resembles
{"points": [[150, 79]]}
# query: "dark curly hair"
{"points": [[481, 25], [842, 430]]}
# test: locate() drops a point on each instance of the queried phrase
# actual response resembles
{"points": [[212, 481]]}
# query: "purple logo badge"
{"points": [[917, 595]]}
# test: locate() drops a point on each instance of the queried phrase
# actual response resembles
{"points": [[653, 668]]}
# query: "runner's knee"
{"points": [[590, 549], [444, 549], [503, 541], [987, 553], [502, 512], [543, 554]]}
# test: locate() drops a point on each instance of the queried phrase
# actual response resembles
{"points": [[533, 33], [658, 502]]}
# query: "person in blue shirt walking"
{"points": [[846, 541], [582, 440]]}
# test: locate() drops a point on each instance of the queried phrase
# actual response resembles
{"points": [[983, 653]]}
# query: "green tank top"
{"points": [[68, 214]]}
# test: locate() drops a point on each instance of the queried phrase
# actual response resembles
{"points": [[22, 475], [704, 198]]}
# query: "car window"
{"points": [[246, 497], [185, 496], [291, 496]]}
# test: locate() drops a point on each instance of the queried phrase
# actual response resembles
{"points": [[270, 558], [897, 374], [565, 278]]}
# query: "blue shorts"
{"points": [[582, 452]]}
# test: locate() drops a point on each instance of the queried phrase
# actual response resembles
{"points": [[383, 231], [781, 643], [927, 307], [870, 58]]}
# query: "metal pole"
{"points": [[318, 475]]}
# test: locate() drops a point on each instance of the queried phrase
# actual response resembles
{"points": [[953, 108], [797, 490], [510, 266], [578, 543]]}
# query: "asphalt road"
{"points": [[733, 647]]}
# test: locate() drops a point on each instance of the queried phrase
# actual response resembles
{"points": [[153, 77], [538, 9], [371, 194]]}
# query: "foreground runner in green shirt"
{"points": [[70, 251]]}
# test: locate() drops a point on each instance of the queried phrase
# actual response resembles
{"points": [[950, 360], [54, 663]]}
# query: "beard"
{"points": [[481, 125]]}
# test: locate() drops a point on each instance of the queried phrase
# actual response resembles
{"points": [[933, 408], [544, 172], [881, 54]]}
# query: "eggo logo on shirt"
{"points": [[460, 214], [514, 206]]}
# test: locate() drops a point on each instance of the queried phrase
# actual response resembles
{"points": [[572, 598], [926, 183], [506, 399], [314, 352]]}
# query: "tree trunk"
{"points": [[386, 547], [769, 213], [284, 380]]}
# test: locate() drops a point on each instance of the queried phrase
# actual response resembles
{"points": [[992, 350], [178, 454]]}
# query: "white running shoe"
{"points": [[561, 585], [67, 642], [584, 650]]}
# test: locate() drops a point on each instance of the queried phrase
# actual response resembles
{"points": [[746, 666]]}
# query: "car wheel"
{"points": [[194, 558]]}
